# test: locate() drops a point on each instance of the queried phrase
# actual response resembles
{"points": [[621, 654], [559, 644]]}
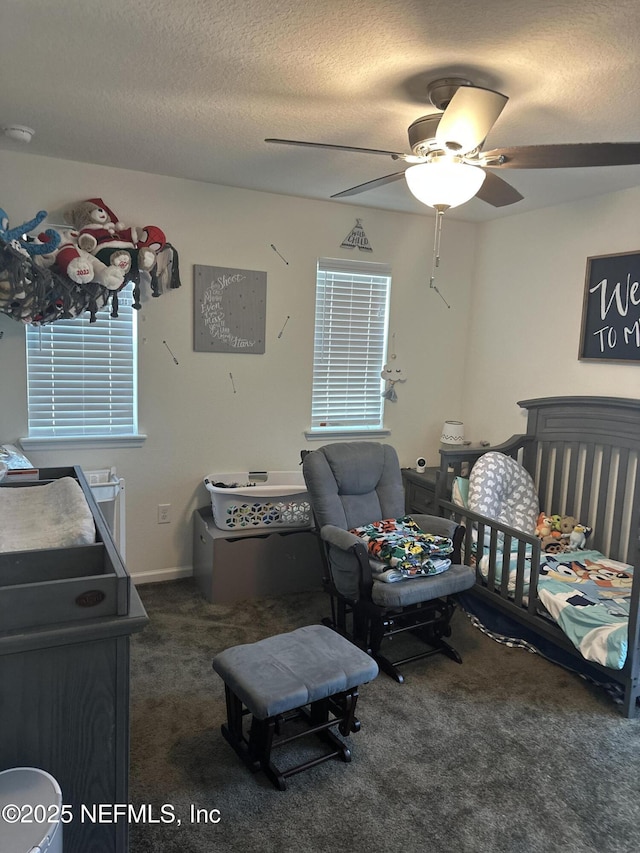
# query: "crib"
{"points": [[583, 454]]}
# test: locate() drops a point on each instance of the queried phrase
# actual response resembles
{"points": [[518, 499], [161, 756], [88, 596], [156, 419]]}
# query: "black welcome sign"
{"points": [[611, 310]]}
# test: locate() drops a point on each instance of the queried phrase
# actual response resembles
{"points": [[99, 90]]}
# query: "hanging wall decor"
{"points": [[356, 237], [64, 271], [230, 310], [611, 309]]}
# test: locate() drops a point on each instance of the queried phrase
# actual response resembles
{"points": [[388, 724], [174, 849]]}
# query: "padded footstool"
{"points": [[311, 674]]}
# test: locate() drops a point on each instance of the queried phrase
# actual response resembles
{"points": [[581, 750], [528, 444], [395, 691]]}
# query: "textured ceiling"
{"points": [[191, 88]]}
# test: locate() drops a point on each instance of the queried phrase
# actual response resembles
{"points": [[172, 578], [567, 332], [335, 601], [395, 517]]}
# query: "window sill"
{"points": [[81, 442], [344, 432]]}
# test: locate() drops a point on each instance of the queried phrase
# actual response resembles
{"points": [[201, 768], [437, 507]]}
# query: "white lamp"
{"points": [[444, 182], [452, 432]]}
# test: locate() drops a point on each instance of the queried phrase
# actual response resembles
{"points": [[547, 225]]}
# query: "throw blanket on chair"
{"points": [[400, 545]]}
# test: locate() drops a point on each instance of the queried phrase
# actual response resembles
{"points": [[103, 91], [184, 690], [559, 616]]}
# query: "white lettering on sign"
{"points": [[617, 300], [213, 313]]}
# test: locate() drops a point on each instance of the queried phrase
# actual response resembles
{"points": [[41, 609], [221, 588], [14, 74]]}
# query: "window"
{"points": [[351, 322], [82, 376]]}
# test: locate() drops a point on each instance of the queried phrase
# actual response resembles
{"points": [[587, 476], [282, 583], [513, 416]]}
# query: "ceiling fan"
{"points": [[448, 165]]}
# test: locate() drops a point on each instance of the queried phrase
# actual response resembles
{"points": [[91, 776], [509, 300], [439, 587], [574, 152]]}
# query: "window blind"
{"points": [[82, 376], [351, 321]]}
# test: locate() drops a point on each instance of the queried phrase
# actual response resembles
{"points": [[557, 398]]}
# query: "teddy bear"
{"points": [[79, 265], [101, 233]]}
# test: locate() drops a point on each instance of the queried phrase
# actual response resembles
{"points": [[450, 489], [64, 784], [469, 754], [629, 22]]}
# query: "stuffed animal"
{"points": [[100, 232], [578, 537], [543, 526], [555, 525], [15, 236], [551, 545], [79, 265], [567, 523]]}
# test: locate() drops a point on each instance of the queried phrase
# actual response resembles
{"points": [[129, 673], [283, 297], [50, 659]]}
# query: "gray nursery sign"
{"points": [[230, 310]]}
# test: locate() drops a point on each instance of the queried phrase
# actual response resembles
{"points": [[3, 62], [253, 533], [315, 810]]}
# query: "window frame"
{"points": [[113, 350], [329, 292]]}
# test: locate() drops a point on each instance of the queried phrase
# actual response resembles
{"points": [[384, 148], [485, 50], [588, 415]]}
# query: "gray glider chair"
{"points": [[356, 483]]}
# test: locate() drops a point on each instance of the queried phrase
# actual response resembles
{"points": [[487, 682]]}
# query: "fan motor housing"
{"points": [[422, 133]]}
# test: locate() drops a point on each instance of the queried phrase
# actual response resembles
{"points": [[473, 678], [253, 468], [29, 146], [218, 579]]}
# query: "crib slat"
{"points": [[506, 566], [544, 474], [585, 500], [572, 479], [556, 496], [617, 511], [536, 553], [520, 567], [601, 500]]}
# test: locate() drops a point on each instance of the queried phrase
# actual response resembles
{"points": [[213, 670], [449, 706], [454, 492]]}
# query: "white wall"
{"points": [[195, 424], [526, 310]]}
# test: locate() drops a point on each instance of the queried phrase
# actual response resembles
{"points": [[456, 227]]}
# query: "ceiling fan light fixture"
{"points": [[443, 182]]}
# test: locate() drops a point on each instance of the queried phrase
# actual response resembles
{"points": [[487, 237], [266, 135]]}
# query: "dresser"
{"points": [[66, 618], [420, 490]]}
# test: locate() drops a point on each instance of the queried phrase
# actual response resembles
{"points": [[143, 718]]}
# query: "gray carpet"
{"points": [[506, 752]]}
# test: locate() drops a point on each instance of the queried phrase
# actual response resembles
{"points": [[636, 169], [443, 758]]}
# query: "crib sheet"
{"points": [[51, 515], [587, 594]]}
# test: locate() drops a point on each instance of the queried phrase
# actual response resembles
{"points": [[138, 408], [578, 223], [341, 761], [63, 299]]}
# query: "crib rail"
{"points": [[490, 544]]}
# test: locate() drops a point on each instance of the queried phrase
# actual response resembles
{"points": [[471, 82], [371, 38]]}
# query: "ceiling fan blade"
{"points": [[370, 185], [497, 192], [468, 118], [394, 154], [567, 156]]}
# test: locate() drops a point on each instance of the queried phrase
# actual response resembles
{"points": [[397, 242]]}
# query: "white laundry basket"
{"points": [[35, 797], [259, 499]]}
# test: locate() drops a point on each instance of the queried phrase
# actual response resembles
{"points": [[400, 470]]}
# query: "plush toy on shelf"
{"points": [[17, 239], [101, 233], [78, 265]]}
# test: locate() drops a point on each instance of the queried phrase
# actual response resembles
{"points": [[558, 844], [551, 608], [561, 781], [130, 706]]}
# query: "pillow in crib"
{"points": [[501, 489]]}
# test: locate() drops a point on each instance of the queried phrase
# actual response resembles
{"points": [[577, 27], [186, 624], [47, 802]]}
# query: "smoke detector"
{"points": [[19, 133]]}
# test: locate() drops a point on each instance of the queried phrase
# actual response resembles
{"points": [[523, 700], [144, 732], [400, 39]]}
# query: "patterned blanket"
{"points": [[404, 550], [588, 595]]}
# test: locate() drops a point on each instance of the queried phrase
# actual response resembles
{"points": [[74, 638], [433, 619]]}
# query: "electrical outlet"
{"points": [[164, 513]]}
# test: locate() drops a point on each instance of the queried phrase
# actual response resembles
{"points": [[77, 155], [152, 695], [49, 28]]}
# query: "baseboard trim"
{"points": [[170, 574]]}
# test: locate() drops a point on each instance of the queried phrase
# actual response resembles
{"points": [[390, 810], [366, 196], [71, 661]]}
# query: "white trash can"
{"points": [[29, 799]]}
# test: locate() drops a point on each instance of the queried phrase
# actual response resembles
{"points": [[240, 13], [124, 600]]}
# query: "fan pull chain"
{"points": [[436, 252]]}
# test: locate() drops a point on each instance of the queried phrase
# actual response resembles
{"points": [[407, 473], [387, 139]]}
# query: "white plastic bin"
{"points": [[35, 798], [261, 499]]}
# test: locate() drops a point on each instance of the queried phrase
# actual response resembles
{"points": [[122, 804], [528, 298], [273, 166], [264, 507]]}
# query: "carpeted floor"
{"points": [[505, 753]]}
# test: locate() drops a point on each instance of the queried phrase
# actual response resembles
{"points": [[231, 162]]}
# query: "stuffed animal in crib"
{"points": [[16, 236], [543, 526], [101, 233], [567, 523], [578, 537], [80, 266]]}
